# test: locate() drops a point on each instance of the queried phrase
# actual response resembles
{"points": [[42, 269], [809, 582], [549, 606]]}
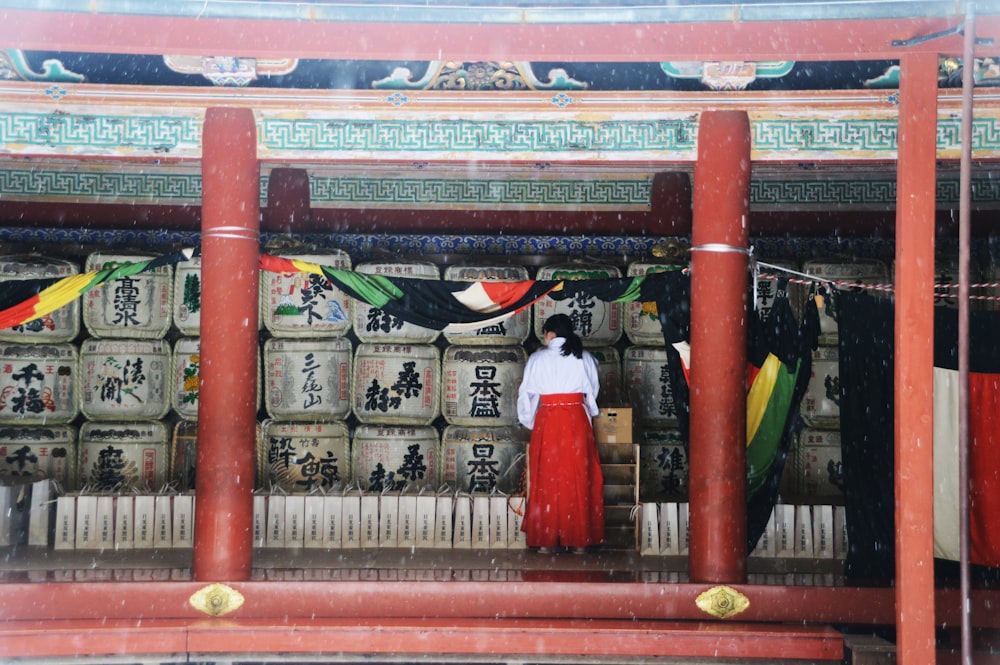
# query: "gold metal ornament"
{"points": [[216, 600], [671, 249], [722, 602]]}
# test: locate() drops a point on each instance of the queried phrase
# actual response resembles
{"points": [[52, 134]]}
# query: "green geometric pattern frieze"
{"points": [[176, 188], [830, 192], [102, 134], [844, 193], [82, 132], [985, 133], [984, 190], [824, 135], [169, 188], [477, 136], [872, 135], [618, 193]]}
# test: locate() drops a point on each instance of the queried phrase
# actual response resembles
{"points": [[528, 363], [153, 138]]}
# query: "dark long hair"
{"points": [[562, 326]]}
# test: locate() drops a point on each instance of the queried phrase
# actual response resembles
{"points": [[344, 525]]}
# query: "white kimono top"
{"points": [[548, 371]]}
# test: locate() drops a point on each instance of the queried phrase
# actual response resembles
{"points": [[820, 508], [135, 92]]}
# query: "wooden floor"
{"points": [[611, 565]]}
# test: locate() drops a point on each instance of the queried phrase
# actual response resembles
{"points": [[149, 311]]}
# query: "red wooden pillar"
{"points": [[227, 402], [288, 200], [719, 239], [914, 370]]}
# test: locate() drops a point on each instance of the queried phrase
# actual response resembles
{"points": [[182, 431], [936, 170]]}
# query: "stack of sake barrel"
{"points": [[815, 474], [124, 378], [353, 396], [305, 443], [483, 447], [395, 393], [38, 384]]}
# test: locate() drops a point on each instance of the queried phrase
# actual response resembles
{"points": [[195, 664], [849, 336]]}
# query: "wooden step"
{"points": [[619, 474], [428, 638], [617, 453]]}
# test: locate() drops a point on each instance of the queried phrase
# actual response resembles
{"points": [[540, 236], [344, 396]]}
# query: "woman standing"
{"points": [[556, 400]]}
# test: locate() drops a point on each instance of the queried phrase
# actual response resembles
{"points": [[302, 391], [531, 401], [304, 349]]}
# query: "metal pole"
{"points": [[968, 67]]}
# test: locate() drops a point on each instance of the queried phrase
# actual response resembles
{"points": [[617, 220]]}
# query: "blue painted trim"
{"points": [[376, 246]]}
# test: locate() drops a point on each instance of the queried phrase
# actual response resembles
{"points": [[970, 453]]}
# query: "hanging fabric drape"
{"points": [[24, 300], [778, 368], [867, 414], [453, 306], [445, 305]]}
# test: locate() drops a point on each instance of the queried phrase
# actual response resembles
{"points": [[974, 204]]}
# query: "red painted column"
{"points": [[670, 200], [227, 402], [914, 369], [719, 239], [288, 201]]}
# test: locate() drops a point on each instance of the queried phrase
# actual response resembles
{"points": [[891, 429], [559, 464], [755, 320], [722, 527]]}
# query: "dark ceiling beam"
{"points": [[381, 39], [793, 223]]}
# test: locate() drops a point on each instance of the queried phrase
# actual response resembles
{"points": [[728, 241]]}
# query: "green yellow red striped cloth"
{"points": [[437, 304], [24, 300]]}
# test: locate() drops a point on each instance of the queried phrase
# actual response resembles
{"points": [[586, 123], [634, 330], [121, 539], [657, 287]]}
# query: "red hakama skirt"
{"points": [[565, 483]]}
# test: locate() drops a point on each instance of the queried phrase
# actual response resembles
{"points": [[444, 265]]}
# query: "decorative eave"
{"points": [[532, 150], [160, 123]]}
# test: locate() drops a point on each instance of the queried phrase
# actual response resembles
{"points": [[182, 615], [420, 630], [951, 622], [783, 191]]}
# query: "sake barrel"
{"points": [[38, 451], [642, 325], [663, 465], [396, 383], [125, 379], [484, 459], [772, 284], [62, 325], [123, 455], [184, 456], [817, 471], [480, 384], [38, 383], [821, 401], [302, 457], [514, 330], [185, 373], [598, 323], [375, 325], [946, 279], [187, 296], [308, 379], [648, 384], [841, 271], [395, 457], [136, 306], [305, 304], [609, 372]]}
